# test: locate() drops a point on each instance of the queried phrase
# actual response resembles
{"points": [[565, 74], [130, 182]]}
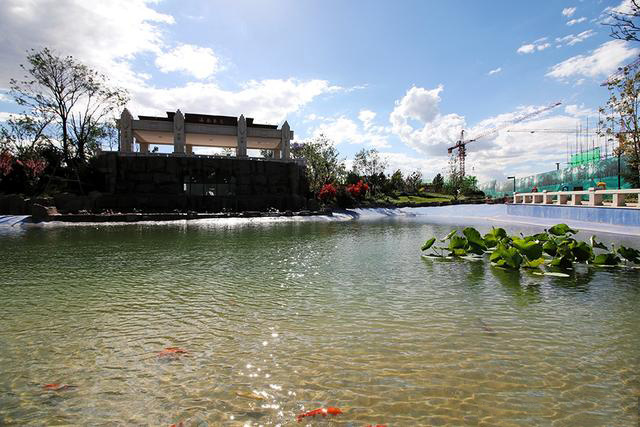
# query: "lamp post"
{"points": [[514, 183]]}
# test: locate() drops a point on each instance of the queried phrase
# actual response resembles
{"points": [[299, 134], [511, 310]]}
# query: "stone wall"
{"points": [[162, 183], [202, 183]]}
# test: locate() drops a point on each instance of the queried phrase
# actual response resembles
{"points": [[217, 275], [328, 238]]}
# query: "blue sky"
{"points": [[403, 77]]}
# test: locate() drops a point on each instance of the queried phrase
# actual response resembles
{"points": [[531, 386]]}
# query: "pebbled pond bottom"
{"points": [[287, 317]]}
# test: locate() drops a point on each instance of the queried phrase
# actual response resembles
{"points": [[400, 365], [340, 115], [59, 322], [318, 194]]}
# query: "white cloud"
{"points": [[601, 62], [110, 35], [579, 111], [494, 71], [624, 8], [407, 164], [266, 100], [200, 62], [576, 21], [521, 153], [366, 117], [105, 34], [490, 157], [417, 104], [568, 11], [570, 39], [343, 130], [4, 116], [535, 45], [434, 132], [526, 48]]}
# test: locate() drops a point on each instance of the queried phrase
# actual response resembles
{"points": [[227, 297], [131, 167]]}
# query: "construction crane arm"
{"points": [[621, 71], [461, 144], [504, 125], [570, 131]]}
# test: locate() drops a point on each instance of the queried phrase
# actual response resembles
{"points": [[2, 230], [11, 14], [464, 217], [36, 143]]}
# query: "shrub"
{"points": [[358, 191], [327, 192]]}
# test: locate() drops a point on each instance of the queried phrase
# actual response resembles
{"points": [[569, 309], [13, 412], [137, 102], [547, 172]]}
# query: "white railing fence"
{"points": [[590, 197]]}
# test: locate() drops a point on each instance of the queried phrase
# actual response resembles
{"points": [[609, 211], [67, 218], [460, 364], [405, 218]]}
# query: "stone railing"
{"points": [[595, 197], [207, 156]]}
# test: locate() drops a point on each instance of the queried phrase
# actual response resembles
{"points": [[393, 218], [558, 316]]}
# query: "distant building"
{"points": [[201, 130], [180, 180]]}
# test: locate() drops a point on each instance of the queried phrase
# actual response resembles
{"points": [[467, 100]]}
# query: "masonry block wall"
{"points": [[213, 184]]}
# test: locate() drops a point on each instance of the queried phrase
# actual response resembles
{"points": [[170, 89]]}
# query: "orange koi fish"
{"points": [[172, 352], [180, 424], [57, 387], [320, 411]]}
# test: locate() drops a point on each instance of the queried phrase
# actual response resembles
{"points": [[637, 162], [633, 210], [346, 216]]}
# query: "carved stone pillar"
{"points": [[285, 139], [126, 132], [179, 143], [241, 149]]}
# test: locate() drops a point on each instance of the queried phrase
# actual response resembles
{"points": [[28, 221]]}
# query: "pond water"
{"points": [[305, 314]]}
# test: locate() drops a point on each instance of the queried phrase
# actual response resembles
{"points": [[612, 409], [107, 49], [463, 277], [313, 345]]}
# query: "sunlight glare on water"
{"points": [[281, 318]]}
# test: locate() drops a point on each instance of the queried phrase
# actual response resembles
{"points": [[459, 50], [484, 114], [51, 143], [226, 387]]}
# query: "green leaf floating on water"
{"points": [[506, 257], [561, 230], [531, 250], [541, 237], [534, 263], [581, 251], [562, 262], [448, 236], [428, 244], [595, 244], [630, 254], [474, 237], [515, 252], [457, 242], [606, 259], [550, 247]]}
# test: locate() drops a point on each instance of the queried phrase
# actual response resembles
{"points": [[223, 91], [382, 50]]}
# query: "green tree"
{"points": [[322, 160], [23, 134], [77, 100], [620, 120], [469, 185], [413, 182], [397, 181], [267, 154], [369, 162], [437, 183]]}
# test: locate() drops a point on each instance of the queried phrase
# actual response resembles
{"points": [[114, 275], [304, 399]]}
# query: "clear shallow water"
{"points": [[305, 314]]}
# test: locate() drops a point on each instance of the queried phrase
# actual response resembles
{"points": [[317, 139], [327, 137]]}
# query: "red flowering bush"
{"points": [[358, 190], [327, 192], [6, 163], [33, 167]]}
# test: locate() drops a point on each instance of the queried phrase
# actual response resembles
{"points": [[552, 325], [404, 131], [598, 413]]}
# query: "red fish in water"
{"points": [[320, 411], [172, 352], [57, 387], [180, 424]]}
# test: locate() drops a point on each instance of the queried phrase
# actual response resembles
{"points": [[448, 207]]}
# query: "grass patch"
{"points": [[424, 198]]}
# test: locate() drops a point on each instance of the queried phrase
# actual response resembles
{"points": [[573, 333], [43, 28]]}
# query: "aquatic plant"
{"points": [[555, 247]]}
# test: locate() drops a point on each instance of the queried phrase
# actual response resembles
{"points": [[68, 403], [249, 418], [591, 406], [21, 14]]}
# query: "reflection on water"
{"points": [[281, 318]]}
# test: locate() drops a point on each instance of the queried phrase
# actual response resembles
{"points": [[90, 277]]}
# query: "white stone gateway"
{"points": [[185, 131]]}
